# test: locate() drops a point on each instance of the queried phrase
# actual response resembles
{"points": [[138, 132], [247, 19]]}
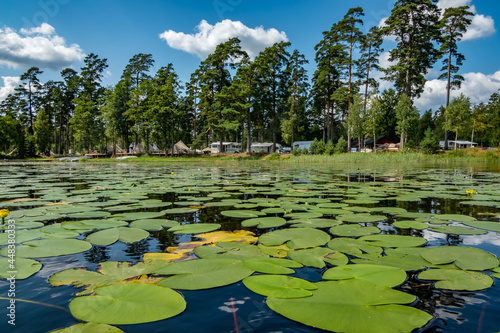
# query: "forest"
{"points": [[271, 98]]}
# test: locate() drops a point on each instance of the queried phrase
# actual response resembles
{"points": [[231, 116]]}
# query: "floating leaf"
{"points": [[195, 228], [410, 225], [89, 328], [353, 230], [302, 216], [361, 218], [466, 258], [264, 222], [242, 213], [485, 225], [229, 250], [382, 275], [183, 210], [393, 240], [279, 251], [279, 286], [204, 273], [24, 268], [454, 230], [453, 279], [90, 225], [110, 236], [406, 258], [497, 274], [354, 247], [128, 304], [153, 224], [138, 216], [240, 236], [49, 248], [271, 265], [455, 217], [296, 238], [314, 223], [318, 256], [342, 306]]}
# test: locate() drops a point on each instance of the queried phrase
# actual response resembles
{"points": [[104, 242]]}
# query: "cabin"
{"points": [[460, 144], [227, 147], [381, 140], [266, 147]]}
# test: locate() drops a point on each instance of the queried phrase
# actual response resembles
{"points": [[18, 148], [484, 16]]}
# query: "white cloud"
{"points": [[481, 26], [443, 4], [9, 84], [478, 86], [39, 46], [208, 36]]}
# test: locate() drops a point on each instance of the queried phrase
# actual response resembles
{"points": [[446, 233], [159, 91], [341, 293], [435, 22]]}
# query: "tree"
{"points": [[458, 114], [429, 143], [405, 115], [372, 117], [370, 50], [426, 121], [42, 132], [115, 108], [31, 92], [479, 120], [138, 67], [414, 25], [388, 120], [453, 24], [355, 121], [493, 118]]}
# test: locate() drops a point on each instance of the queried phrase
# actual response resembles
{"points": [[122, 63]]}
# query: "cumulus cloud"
{"points": [[208, 36], [477, 86], [39, 46], [9, 84]]}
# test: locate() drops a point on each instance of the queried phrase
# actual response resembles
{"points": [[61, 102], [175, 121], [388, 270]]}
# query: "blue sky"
{"points": [[53, 34]]}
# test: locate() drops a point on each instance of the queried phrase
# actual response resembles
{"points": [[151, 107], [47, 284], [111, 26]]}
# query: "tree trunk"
{"points": [[456, 138], [249, 133]]}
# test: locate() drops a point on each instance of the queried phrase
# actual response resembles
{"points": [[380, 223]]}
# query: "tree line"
{"points": [[231, 97]]}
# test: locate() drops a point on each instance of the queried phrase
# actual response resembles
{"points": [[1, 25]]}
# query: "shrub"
{"points": [[295, 152], [304, 151], [329, 148], [429, 143], [341, 146], [317, 147]]}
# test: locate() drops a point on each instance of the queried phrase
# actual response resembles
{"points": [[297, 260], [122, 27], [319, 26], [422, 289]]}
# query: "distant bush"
{"points": [[329, 148], [457, 153], [274, 156], [295, 152], [317, 147], [304, 151], [341, 146], [491, 155], [429, 144]]}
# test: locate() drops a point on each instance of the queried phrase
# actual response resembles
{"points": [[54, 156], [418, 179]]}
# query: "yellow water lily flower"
{"points": [[469, 192], [4, 213]]}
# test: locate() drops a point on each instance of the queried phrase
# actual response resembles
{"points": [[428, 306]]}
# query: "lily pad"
{"points": [[455, 230], [296, 238], [318, 257], [382, 275], [138, 216], [229, 250], [24, 268], [204, 273], [89, 328], [354, 230], [410, 225], [49, 248], [242, 213], [497, 272], [485, 225], [271, 265], [356, 307], [453, 279], [466, 258], [361, 218], [110, 236], [279, 286], [393, 240], [128, 304], [154, 224], [264, 222], [354, 247], [195, 228], [407, 258], [314, 223]]}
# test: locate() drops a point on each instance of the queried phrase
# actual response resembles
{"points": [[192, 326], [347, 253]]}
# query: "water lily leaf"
{"points": [[242, 213], [279, 251], [49, 248], [318, 256], [466, 258], [89, 328], [195, 228], [138, 215], [23, 225], [455, 230], [24, 268], [183, 210], [406, 258], [361, 218], [279, 286], [410, 225], [393, 240], [295, 238], [389, 210], [497, 274], [302, 216], [274, 210], [382, 275], [485, 225], [240, 236], [21, 236], [204, 273], [90, 225], [108, 273], [229, 250], [271, 265], [453, 279], [264, 222], [353, 230], [154, 224], [342, 306], [128, 304], [354, 247], [224, 203], [314, 223], [455, 217], [89, 215], [110, 236]]}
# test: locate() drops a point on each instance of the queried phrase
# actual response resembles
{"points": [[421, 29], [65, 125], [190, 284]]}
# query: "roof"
{"points": [[225, 143], [459, 142], [180, 147]]}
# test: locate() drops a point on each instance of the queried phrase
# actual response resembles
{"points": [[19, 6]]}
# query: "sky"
{"points": [[56, 34]]}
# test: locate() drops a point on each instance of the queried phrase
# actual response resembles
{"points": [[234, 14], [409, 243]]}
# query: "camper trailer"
{"points": [[227, 147]]}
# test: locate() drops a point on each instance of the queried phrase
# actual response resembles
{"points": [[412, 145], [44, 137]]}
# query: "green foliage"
{"points": [[429, 144], [43, 132], [296, 152], [458, 115], [341, 146], [329, 148], [317, 147]]}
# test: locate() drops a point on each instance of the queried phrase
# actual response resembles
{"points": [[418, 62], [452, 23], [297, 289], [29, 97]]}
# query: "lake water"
{"points": [[32, 187]]}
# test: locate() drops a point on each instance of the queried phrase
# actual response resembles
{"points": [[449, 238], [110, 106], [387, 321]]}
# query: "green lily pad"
{"points": [[314, 223], [393, 240], [382, 275], [454, 230], [353, 230], [89, 328], [410, 225], [342, 306], [203, 273], [128, 304], [318, 257], [407, 258], [484, 225], [361, 218], [453, 279], [138, 216], [196, 228], [264, 222], [271, 265], [154, 224], [242, 213], [466, 258], [110, 236], [89, 225], [231, 250], [354, 247], [89, 215], [49, 248], [279, 286], [309, 215], [497, 272], [296, 238], [24, 268], [455, 217]]}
